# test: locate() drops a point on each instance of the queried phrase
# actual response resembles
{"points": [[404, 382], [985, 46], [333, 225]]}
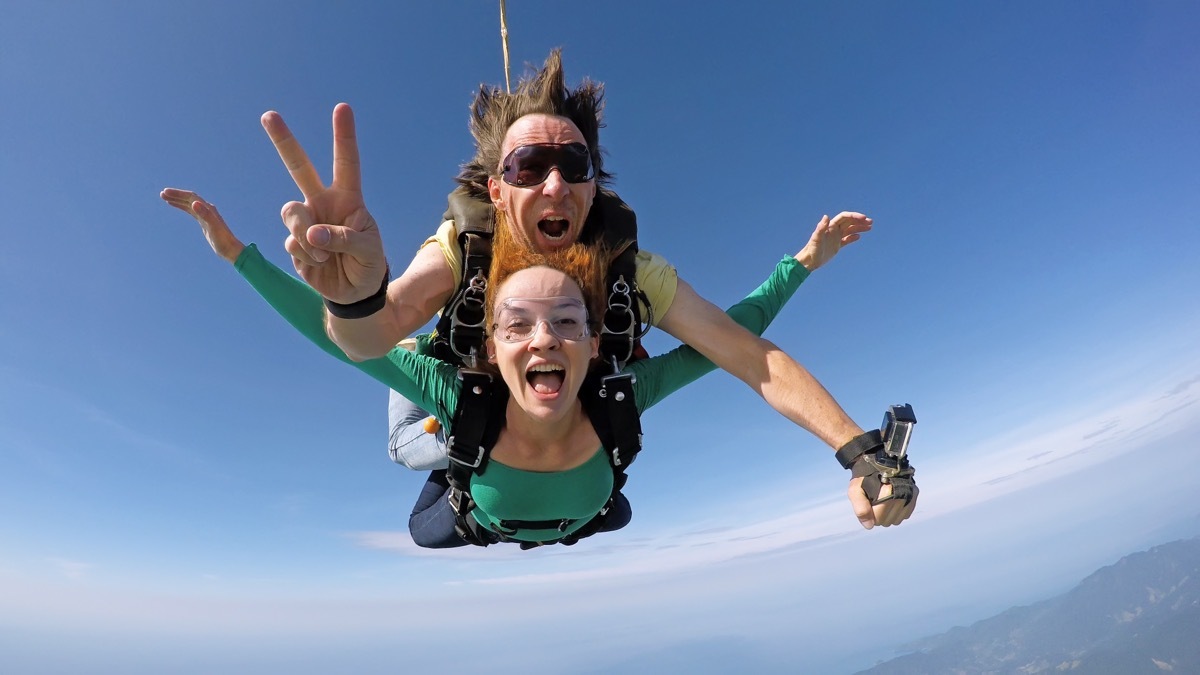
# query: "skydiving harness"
{"points": [[607, 398], [460, 332], [608, 401], [880, 456]]}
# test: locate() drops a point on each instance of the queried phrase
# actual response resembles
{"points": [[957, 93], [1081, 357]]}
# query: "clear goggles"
{"points": [[517, 319]]}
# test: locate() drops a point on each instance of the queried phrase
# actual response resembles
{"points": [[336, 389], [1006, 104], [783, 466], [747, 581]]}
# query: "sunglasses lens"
{"points": [[575, 163], [529, 165]]}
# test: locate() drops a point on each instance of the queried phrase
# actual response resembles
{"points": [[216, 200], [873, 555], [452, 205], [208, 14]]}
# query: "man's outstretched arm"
{"points": [[781, 381]]}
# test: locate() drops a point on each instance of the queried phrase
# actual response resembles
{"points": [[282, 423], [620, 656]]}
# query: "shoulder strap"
{"points": [[613, 222], [608, 401], [478, 419], [460, 331]]}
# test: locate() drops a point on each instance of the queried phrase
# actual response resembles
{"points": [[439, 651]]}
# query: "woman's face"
{"points": [[540, 341]]}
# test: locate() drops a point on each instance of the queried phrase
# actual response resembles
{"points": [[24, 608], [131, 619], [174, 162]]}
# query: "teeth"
{"points": [[545, 368], [556, 218]]}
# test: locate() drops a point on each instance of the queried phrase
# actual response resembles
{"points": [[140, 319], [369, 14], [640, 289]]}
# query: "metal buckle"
{"points": [[896, 472], [620, 305], [454, 448], [612, 379], [474, 294], [460, 501]]}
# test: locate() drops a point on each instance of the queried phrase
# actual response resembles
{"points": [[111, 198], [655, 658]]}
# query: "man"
{"points": [[336, 247]]}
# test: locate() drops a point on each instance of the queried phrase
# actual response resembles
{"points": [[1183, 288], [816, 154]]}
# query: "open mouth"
{"points": [[546, 378], [554, 227]]}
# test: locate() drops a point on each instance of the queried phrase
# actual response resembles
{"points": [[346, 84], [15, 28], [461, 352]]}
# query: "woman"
{"points": [[547, 462]]}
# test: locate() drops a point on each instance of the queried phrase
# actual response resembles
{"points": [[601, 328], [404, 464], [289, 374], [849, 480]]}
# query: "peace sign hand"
{"points": [[334, 242]]}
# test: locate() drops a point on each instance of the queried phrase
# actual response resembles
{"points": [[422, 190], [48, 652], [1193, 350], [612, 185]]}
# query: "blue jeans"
{"points": [[408, 443], [432, 521]]}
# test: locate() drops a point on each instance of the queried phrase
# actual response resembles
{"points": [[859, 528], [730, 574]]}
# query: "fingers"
{"points": [[886, 513], [195, 206], [222, 240], [894, 511], [850, 222], [822, 227], [298, 219], [294, 158], [339, 239], [180, 199], [860, 503], [347, 174], [207, 214]]}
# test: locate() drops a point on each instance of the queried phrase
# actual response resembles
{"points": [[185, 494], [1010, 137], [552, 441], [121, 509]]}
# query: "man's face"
{"points": [[549, 215]]}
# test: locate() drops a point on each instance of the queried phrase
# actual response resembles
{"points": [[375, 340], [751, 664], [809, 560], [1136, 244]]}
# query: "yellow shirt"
{"points": [[655, 276]]}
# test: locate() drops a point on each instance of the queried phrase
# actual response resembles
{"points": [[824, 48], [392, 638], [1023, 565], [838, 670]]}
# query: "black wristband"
{"points": [[363, 308], [849, 453]]}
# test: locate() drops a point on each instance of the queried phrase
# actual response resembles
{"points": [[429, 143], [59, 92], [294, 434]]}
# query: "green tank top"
{"points": [[504, 493]]}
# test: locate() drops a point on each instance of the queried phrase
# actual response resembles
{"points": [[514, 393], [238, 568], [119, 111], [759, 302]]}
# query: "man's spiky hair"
{"points": [[493, 111]]}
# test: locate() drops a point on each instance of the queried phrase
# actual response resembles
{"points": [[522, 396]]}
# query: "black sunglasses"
{"points": [[529, 165]]}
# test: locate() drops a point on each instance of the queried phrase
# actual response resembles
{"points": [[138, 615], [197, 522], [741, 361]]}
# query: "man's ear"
{"points": [[595, 346], [494, 193], [490, 346]]}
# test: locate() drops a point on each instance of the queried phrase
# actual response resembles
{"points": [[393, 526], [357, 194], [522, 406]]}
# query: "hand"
{"points": [[888, 513], [334, 242], [830, 236], [218, 234]]}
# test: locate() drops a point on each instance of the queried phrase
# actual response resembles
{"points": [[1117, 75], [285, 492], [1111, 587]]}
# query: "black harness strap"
{"points": [[621, 423], [476, 426], [614, 223], [460, 332]]}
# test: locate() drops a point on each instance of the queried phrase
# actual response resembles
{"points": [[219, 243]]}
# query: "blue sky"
{"points": [[187, 485]]}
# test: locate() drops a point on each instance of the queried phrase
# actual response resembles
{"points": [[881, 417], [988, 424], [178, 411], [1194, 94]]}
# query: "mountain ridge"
{"points": [[1139, 615]]}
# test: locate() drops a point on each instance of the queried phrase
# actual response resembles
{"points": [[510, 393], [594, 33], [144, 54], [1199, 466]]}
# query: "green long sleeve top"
{"points": [[502, 492]]}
